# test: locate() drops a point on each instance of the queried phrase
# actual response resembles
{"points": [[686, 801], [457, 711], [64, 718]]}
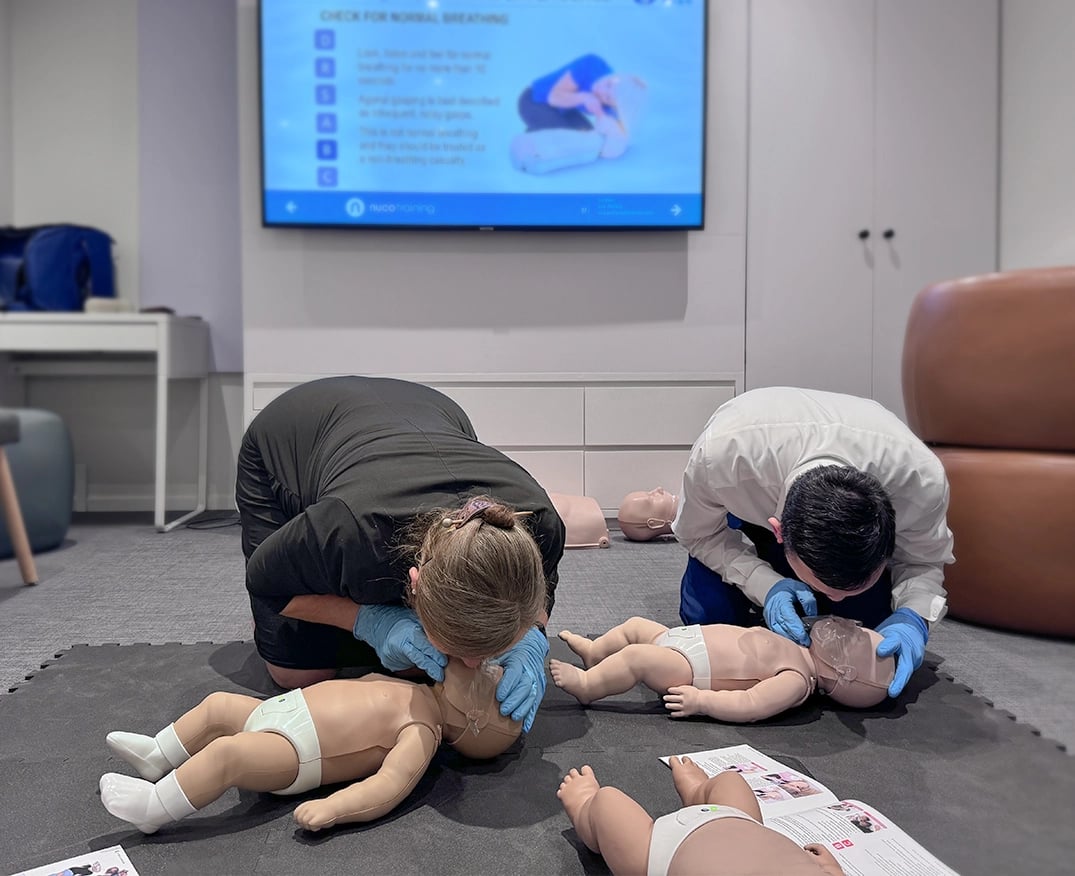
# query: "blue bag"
{"points": [[54, 267]]}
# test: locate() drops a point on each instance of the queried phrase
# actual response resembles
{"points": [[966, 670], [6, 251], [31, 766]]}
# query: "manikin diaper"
{"points": [[670, 830], [689, 642], [289, 716]]}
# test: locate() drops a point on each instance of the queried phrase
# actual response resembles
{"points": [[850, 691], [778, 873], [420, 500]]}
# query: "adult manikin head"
{"points": [[848, 668], [644, 515], [473, 725]]}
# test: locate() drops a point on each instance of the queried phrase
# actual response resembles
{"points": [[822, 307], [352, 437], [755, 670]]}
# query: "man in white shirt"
{"points": [[800, 501]]}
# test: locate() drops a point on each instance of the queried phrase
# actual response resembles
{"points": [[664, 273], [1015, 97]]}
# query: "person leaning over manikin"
{"points": [[797, 502], [370, 511], [645, 515], [379, 730]]}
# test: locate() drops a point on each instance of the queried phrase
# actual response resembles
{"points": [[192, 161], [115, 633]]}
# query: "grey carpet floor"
{"points": [[939, 763], [117, 580]]}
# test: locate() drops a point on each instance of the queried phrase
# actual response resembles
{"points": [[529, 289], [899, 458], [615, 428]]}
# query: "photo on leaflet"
{"points": [[794, 784]]}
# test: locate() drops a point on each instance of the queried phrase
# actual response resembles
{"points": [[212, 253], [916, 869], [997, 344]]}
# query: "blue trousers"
{"points": [[706, 598]]}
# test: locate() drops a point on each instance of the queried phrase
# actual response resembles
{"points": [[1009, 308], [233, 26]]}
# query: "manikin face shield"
{"points": [[474, 725], [848, 667]]}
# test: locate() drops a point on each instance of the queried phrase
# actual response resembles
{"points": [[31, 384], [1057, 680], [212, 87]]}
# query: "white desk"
{"points": [[177, 348]]}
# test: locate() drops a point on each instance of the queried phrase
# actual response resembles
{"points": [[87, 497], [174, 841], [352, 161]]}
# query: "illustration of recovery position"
{"points": [[383, 731], [734, 674], [719, 830], [576, 114]]}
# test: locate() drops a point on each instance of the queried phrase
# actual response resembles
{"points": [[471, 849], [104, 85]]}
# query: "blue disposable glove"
{"points": [[523, 685], [905, 635], [781, 615], [399, 640]]}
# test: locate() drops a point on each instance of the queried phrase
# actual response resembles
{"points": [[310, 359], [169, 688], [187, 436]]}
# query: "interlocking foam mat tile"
{"points": [[982, 791]]}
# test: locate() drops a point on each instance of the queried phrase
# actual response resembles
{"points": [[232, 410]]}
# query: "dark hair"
{"points": [[840, 523]]}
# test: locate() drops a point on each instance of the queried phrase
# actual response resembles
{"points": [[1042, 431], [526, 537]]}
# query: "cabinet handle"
{"points": [[864, 234], [888, 234]]}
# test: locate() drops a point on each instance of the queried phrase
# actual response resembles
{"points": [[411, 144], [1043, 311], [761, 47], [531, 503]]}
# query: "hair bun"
{"points": [[485, 509], [500, 515]]}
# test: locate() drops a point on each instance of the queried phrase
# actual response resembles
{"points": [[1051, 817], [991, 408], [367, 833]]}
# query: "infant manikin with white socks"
{"points": [[382, 731]]}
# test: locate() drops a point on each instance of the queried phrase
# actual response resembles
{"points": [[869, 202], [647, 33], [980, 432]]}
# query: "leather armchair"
{"points": [[989, 383]]}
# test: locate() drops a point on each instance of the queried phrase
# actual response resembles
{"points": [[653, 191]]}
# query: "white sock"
{"points": [[143, 804], [152, 756]]}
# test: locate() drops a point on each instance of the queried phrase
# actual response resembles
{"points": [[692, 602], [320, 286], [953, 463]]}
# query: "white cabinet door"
{"points": [[809, 278], [936, 161]]}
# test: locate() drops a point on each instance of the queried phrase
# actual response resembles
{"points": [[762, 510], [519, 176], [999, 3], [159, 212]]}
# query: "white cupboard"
{"points": [[873, 149]]}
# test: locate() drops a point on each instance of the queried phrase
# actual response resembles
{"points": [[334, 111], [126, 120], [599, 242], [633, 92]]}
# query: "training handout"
{"points": [[112, 861], [865, 842]]}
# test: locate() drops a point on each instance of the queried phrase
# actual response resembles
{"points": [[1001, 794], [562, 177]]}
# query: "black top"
{"points": [[354, 459]]}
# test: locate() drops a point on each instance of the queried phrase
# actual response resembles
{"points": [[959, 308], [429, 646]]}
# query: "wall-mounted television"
{"points": [[484, 114]]}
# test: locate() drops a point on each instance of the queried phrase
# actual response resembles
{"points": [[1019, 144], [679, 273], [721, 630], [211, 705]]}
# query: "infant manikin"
{"points": [[383, 731], [644, 515], [734, 674], [584, 521], [718, 831]]}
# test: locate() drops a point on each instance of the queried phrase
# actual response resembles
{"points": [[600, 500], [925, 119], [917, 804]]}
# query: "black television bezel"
{"points": [[529, 229]]}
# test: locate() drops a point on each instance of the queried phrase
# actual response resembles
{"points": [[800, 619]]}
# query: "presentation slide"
{"points": [[483, 113]]}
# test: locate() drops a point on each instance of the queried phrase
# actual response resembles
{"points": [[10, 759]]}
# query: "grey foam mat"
{"points": [[983, 792]]}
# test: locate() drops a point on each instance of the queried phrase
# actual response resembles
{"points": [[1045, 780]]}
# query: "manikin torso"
{"points": [[584, 523], [741, 657], [746, 848], [359, 720], [841, 661]]}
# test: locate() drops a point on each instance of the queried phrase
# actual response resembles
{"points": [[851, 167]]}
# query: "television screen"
{"points": [[483, 113]]}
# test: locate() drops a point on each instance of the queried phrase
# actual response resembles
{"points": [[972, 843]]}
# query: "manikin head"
{"points": [[644, 515], [473, 725], [847, 665]]}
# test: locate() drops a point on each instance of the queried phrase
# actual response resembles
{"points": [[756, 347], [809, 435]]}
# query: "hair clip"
{"points": [[464, 515]]}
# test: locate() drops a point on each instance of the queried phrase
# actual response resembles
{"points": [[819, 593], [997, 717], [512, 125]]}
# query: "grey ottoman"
{"points": [[43, 467]]}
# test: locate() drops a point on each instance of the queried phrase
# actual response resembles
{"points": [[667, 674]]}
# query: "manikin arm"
{"points": [[380, 793], [768, 697]]}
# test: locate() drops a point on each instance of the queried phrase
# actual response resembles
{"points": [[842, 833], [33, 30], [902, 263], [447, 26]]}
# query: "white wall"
{"points": [[6, 192], [188, 183], [535, 303], [1037, 194], [75, 118], [111, 421], [125, 117]]}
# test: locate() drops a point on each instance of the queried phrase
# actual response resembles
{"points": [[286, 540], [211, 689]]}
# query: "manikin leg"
{"points": [[220, 757], [219, 714], [724, 789], [634, 631], [608, 821], [617, 663]]}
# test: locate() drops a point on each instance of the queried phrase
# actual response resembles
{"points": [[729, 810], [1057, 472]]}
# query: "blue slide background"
{"points": [[661, 42]]}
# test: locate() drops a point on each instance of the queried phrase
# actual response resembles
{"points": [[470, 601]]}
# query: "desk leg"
{"points": [[162, 445]]}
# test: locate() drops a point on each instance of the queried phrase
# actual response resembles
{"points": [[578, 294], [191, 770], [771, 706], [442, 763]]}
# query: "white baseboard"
{"points": [[127, 497]]}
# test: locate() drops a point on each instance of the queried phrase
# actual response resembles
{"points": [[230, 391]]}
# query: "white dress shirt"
{"points": [[758, 443]]}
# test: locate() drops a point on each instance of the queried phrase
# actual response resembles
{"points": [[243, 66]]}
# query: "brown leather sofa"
{"points": [[989, 383]]}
